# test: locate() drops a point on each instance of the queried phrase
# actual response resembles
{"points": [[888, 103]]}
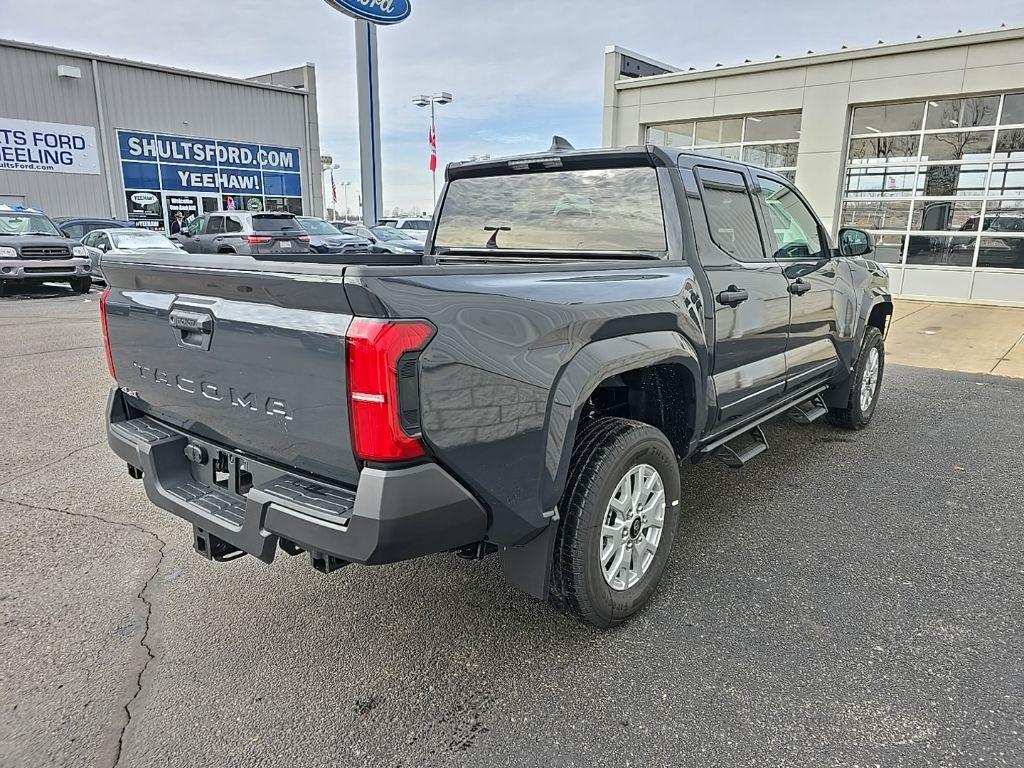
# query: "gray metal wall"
{"points": [[129, 96]]}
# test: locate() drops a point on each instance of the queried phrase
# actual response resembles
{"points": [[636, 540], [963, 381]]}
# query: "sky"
{"points": [[519, 71]]}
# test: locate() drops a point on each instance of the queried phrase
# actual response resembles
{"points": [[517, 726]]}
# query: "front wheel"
{"points": [[81, 284], [867, 381], [620, 511]]}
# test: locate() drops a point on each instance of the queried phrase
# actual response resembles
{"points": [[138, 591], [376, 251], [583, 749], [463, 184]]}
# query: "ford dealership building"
{"points": [[86, 135], [922, 143]]}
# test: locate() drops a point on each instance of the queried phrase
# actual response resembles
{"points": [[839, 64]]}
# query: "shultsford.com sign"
{"points": [[28, 145]]}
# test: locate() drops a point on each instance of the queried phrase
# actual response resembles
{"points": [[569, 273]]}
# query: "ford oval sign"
{"points": [[374, 11]]}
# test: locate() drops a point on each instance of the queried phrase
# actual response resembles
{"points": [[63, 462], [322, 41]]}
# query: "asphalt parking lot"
{"points": [[847, 599]]}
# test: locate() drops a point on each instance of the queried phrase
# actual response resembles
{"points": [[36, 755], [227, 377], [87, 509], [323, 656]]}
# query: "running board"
{"points": [[808, 411], [736, 459]]}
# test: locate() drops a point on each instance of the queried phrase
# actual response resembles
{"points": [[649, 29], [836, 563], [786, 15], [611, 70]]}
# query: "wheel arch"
{"points": [[655, 370]]}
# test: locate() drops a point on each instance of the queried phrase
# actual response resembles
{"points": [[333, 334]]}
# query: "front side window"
{"points": [[794, 226], [730, 213], [610, 210]]}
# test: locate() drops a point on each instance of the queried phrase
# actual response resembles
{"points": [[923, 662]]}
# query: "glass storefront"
{"points": [[940, 182], [171, 180], [770, 141]]}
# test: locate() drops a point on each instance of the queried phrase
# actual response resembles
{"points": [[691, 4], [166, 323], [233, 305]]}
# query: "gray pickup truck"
{"points": [[581, 323]]}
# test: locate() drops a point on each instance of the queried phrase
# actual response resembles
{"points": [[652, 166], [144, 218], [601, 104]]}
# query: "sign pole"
{"points": [[367, 81]]}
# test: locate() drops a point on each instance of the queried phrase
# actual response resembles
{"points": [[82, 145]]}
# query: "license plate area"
{"points": [[220, 469]]}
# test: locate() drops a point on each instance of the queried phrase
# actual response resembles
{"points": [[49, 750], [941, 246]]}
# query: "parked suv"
{"points": [[581, 323], [263, 235], [415, 228], [33, 250]]}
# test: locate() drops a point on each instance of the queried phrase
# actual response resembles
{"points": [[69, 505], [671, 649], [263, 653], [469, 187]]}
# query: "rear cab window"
{"points": [[275, 223], [605, 210]]}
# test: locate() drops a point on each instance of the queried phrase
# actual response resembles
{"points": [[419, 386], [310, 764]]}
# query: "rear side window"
{"points": [[275, 224], [232, 225], [600, 210], [730, 212], [216, 225], [75, 230]]}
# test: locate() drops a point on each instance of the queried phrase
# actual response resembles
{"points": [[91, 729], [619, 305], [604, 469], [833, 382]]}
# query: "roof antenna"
{"points": [[560, 144]]}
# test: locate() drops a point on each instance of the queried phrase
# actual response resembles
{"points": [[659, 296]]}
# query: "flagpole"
{"points": [[433, 171]]}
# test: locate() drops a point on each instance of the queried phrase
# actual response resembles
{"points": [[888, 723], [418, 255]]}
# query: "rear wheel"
{"points": [[620, 511], [81, 284], [867, 381]]}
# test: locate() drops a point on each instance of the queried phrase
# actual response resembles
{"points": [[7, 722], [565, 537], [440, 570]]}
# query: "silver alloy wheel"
{"points": [[869, 382], [632, 527]]}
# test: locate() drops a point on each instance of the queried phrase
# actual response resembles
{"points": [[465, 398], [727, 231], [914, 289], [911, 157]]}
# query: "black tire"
{"points": [[81, 284], [605, 451], [854, 415]]}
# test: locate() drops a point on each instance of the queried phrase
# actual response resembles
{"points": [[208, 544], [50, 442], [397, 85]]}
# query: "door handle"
{"points": [[732, 296], [799, 287]]}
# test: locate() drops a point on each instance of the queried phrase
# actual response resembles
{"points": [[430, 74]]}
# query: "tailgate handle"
{"points": [[195, 327]]}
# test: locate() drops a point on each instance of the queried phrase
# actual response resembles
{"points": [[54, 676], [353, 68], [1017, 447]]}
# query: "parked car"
{"points": [[77, 228], [416, 228], [386, 239], [324, 237], [33, 250], [123, 240], [527, 392], [276, 236]]}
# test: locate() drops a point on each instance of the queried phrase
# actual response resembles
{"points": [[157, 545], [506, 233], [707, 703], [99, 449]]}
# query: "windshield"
{"points": [[140, 241], [26, 224], [315, 226], [388, 234], [611, 209]]}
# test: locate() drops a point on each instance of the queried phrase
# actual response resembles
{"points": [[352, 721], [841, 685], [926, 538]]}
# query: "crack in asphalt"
{"points": [[48, 464], [52, 351], [141, 596]]}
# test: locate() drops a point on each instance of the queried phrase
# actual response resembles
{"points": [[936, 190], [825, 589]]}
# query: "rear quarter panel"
{"points": [[504, 337]]}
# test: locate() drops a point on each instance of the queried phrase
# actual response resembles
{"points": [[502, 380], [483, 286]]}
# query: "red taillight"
{"points": [[106, 333], [258, 239], [374, 349], [303, 238]]}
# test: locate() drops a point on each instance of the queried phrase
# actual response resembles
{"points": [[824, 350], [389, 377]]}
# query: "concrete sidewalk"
{"points": [[957, 337]]}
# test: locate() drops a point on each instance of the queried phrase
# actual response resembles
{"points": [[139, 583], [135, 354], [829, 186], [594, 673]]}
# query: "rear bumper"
{"points": [[44, 269], [391, 515]]}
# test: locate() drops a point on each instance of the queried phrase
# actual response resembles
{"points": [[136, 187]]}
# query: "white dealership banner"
{"points": [[27, 145]]}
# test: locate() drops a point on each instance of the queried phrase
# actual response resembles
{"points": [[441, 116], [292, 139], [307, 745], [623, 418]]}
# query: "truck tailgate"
{"points": [[248, 354]]}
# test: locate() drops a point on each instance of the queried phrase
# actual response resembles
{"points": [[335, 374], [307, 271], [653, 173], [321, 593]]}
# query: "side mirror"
{"points": [[855, 242]]}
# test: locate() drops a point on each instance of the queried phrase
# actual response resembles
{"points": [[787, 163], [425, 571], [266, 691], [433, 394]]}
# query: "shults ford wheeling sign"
{"points": [[375, 11], [28, 145]]}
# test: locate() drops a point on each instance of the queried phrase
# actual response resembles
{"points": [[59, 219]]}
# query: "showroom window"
{"points": [[940, 182], [770, 141]]}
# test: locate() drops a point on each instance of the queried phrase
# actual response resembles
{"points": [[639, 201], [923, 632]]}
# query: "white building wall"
{"points": [[825, 88]]}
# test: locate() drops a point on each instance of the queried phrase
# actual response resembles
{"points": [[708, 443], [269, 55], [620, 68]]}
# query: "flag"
{"points": [[433, 149], [334, 190]]}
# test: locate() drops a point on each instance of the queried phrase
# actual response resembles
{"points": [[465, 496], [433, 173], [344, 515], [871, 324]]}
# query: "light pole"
{"points": [[323, 181], [344, 188], [423, 101]]}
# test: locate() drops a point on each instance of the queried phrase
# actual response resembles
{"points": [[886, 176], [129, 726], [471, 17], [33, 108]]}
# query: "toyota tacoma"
{"points": [[581, 323]]}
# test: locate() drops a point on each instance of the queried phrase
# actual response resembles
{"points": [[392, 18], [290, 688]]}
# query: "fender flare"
{"points": [[591, 365]]}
